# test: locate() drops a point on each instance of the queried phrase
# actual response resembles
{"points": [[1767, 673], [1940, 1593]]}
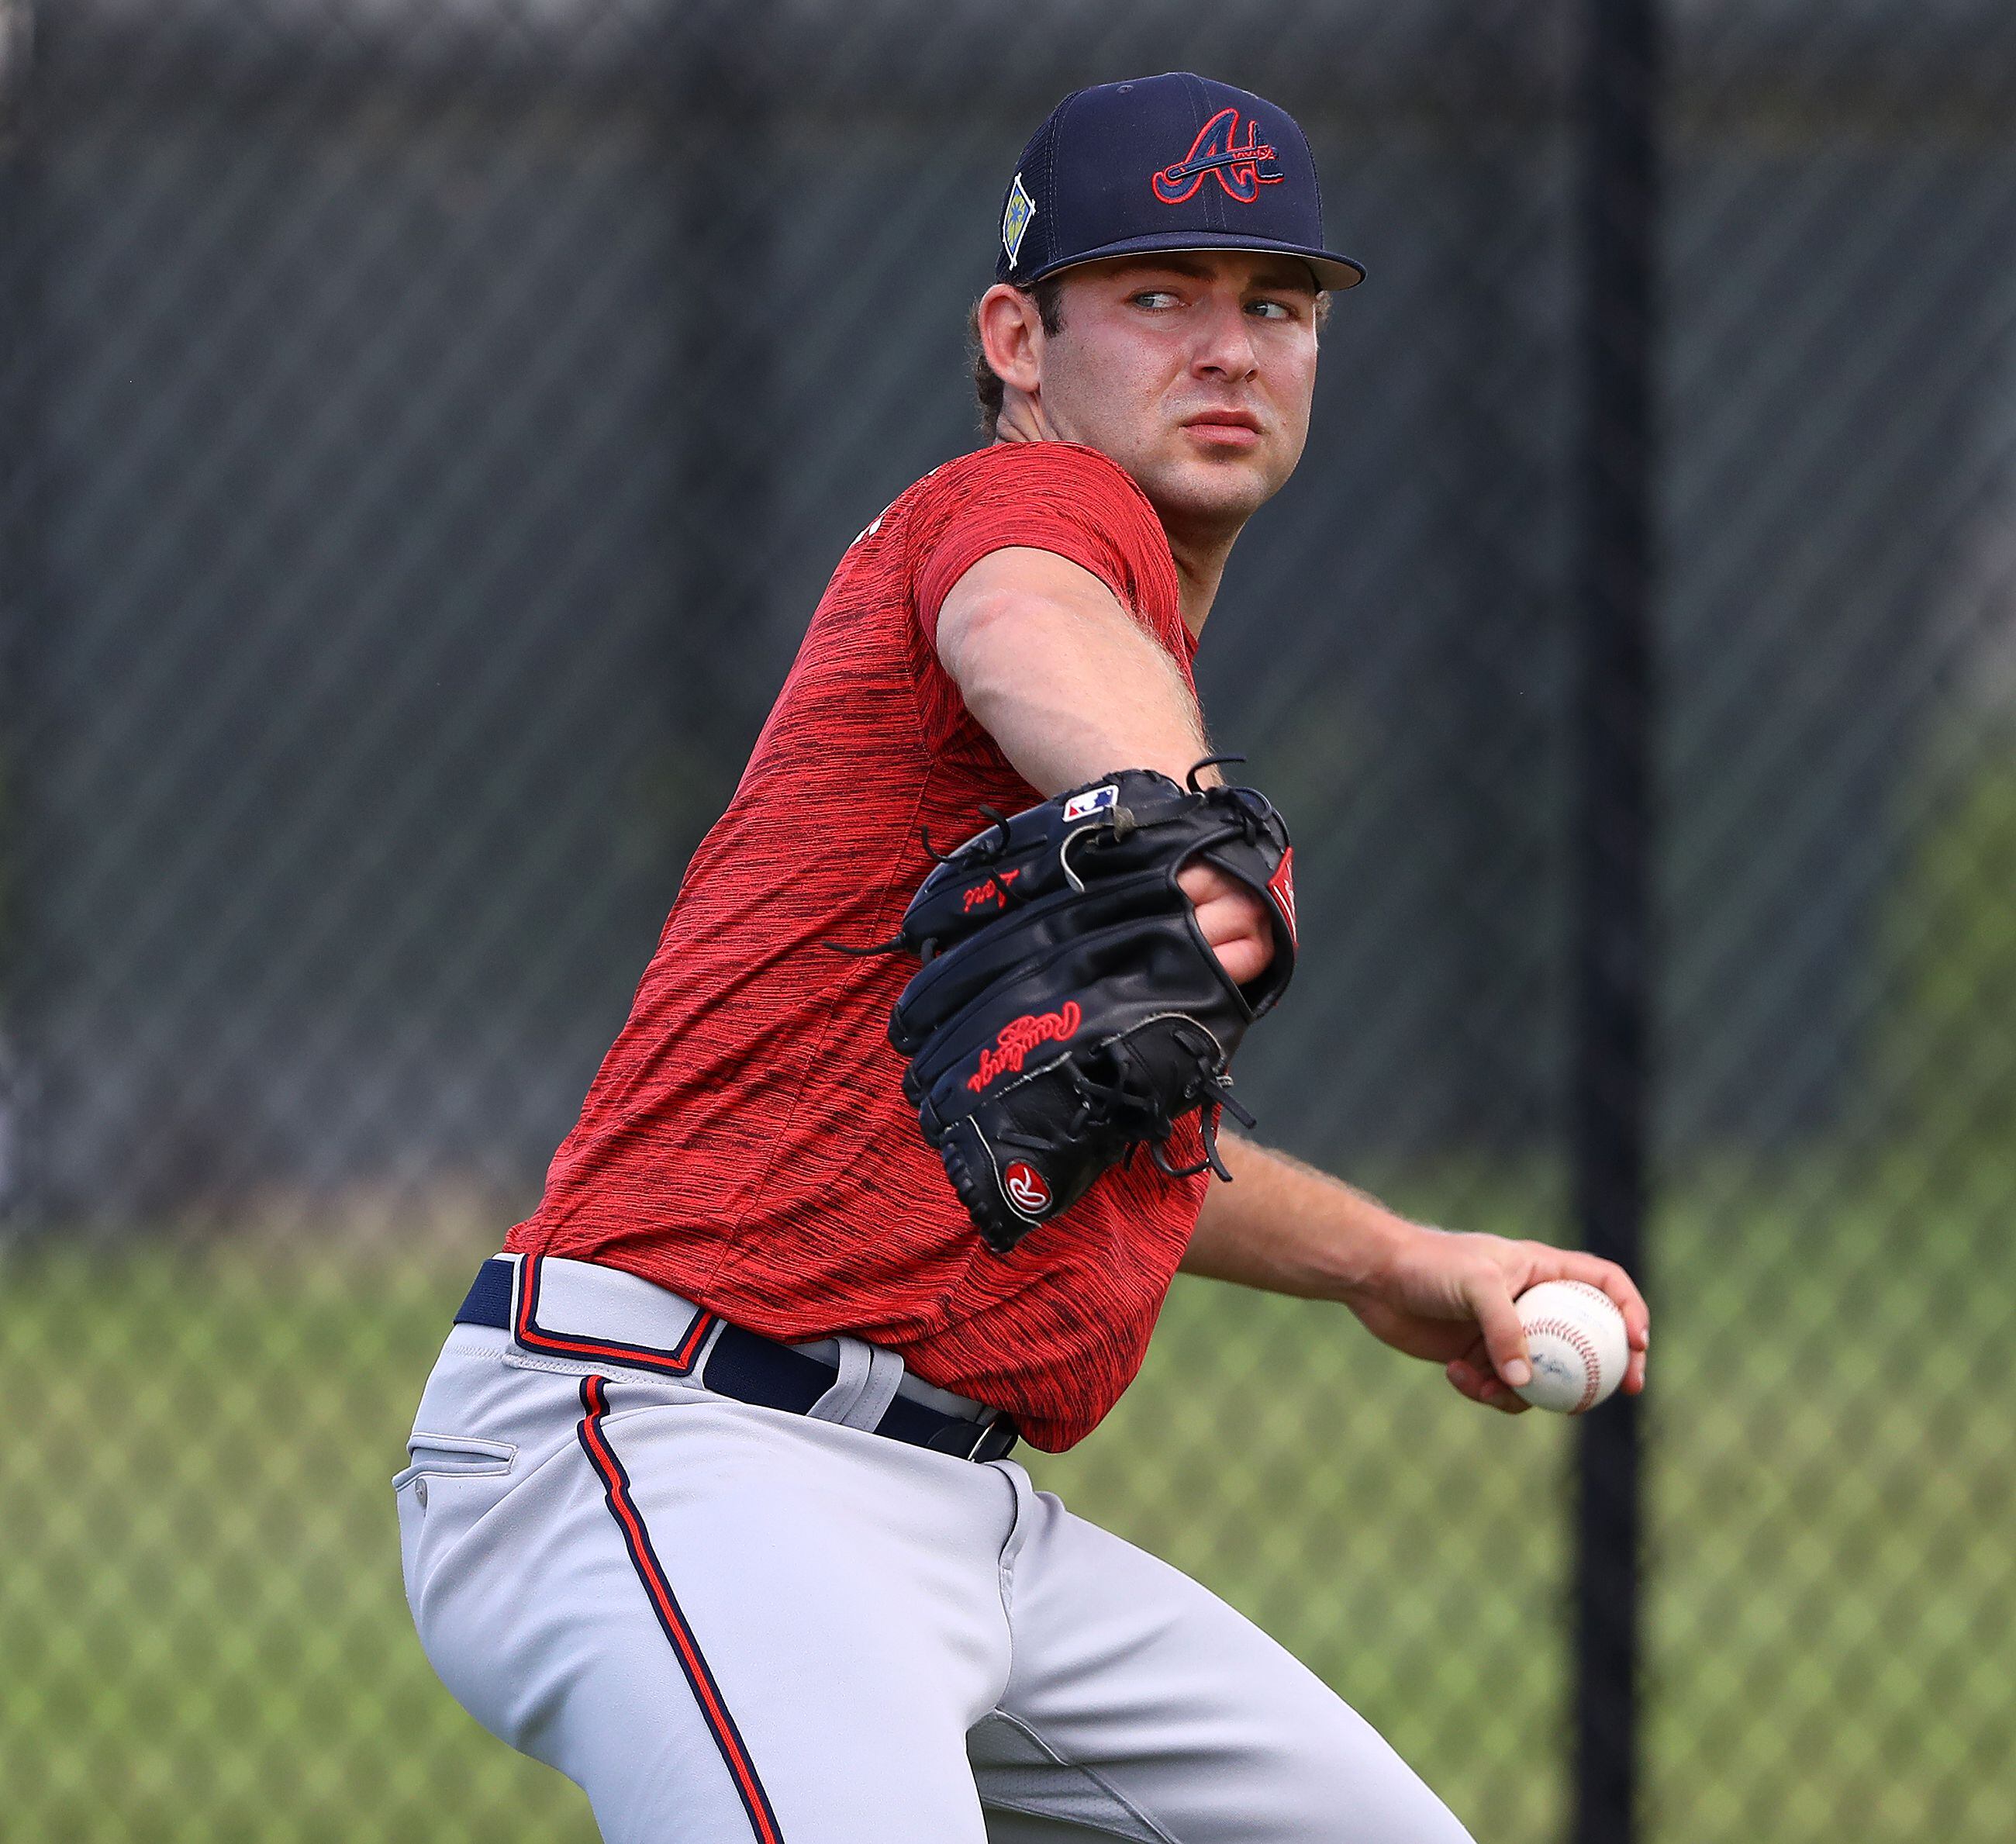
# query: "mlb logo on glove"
{"points": [[1096, 800]]}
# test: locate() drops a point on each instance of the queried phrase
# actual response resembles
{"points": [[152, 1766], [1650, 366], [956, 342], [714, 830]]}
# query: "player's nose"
{"points": [[1225, 347]]}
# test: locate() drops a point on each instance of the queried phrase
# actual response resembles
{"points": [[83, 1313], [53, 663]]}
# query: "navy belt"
{"points": [[754, 1369]]}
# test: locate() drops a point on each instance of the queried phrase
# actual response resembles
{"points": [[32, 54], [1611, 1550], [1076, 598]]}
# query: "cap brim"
{"points": [[1332, 271]]}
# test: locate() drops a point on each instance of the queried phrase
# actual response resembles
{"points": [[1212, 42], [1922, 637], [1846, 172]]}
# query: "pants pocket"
{"points": [[453, 1455], [461, 1475]]}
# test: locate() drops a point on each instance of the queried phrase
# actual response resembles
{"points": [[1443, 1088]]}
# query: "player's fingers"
{"points": [[1234, 921], [1576, 1265], [1204, 883], [1490, 1303], [1226, 918], [1634, 1372], [1491, 1391], [1481, 1386], [1236, 927]]}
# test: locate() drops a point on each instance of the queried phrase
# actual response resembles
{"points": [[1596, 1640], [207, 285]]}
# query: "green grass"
{"points": [[204, 1636]]}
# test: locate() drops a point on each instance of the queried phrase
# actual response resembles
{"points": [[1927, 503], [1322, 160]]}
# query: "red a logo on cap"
{"points": [[1215, 153]]}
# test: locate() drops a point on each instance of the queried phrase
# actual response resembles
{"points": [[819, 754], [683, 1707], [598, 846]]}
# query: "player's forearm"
{"points": [[1285, 1227], [1061, 677]]}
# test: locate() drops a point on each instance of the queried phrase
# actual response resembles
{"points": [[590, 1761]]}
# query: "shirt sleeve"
{"points": [[1056, 497], [1072, 501]]}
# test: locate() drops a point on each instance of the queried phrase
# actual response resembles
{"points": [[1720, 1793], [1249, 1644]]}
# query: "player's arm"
{"points": [[1287, 1228], [1071, 687], [1060, 675]]}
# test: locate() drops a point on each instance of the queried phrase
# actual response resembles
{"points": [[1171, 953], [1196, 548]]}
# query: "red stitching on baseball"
{"points": [[1592, 1365], [1590, 1288]]}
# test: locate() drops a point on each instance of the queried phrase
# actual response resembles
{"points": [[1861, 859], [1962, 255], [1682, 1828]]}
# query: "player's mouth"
{"points": [[1224, 429]]}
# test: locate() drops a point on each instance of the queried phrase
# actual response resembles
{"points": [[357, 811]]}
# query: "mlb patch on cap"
{"points": [[1174, 162]]}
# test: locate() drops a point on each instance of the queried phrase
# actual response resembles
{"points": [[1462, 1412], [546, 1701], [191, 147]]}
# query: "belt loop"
{"points": [[709, 1344], [885, 1372], [865, 1386]]}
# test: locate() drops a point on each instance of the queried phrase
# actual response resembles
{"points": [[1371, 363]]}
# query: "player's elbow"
{"points": [[1016, 609], [983, 629]]}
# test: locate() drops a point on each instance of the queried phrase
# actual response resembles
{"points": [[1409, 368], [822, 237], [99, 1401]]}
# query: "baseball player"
{"points": [[709, 1504]]}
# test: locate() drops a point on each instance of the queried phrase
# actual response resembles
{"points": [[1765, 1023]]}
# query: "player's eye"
{"points": [[1154, 298], [1271, 310]]}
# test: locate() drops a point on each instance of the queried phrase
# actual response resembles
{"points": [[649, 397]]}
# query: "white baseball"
{"points": [[1576, 1339]]}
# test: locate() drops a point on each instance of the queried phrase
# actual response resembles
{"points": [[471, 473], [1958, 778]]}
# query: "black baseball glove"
{"points": [[1069, 1010]]}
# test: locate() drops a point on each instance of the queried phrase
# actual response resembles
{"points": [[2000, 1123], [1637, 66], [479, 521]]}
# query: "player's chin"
{"points": [[1220, 488]]}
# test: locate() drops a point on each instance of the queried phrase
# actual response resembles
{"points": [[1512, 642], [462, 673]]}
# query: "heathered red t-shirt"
{"points": [[746, 1141]]}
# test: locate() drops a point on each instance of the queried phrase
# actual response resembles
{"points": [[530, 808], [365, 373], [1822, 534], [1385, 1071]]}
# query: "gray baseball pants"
{"points": [[728, 1623]]}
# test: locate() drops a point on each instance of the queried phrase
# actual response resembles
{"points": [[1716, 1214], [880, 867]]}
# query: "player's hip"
{"points": [[540, 1482], [547, 1354]]}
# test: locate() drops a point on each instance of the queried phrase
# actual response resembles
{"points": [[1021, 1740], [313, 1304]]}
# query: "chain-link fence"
{"points": [[424, 432]]}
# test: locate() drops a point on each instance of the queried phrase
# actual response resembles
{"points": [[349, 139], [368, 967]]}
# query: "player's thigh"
{"points": [[709, 1653], [807, 1760], [1141, 1706]]}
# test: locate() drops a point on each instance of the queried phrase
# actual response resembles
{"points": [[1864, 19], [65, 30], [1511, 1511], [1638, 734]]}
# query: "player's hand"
{"points": [[1449, 1298], [1235, 922]]}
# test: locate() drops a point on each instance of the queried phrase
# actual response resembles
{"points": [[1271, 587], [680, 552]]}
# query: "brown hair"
{"points": [[1048, 293]]}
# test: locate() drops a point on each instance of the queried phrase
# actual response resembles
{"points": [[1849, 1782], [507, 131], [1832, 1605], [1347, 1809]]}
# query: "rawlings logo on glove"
{"points": [[1028, 1095], [1020, 1036]]}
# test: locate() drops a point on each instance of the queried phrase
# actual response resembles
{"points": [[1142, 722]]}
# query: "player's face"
{"points": [[1193, 372]]}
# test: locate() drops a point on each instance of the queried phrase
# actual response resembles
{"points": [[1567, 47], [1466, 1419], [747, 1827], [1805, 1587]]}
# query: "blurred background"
{"points": [[424, 432]]}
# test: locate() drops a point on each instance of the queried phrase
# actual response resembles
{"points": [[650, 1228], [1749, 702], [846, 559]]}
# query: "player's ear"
{"points": [[1011, 337]]}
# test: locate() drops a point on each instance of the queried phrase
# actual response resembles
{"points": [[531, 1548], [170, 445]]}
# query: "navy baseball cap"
{"points": [[1174, 162]]}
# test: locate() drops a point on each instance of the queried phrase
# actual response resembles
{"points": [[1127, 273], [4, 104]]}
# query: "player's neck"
{"points": [[1200, 568]]}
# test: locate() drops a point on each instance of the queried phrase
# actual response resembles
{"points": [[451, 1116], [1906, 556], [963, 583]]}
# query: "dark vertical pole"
{"points": [[1619, 97]]}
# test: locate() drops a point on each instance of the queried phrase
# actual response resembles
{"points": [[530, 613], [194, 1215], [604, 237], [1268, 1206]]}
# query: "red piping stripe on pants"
{"points": [[650, 1572]]}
